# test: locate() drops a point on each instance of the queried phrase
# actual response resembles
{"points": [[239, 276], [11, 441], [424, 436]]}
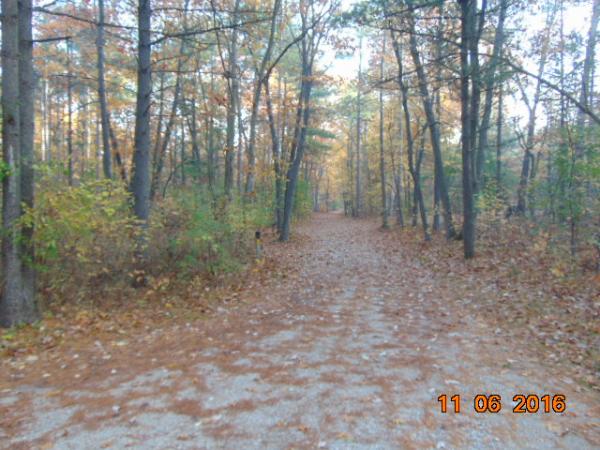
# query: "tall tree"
{"points": [[384, 212], [314, 30], [432, 121], [586, 75], [489, 83], [414, 169], [532, 106], [233, 86], [70, 156], [17, 304], [104, 117], [469, 108], [358, 201], [140, 181], [258, 85]]}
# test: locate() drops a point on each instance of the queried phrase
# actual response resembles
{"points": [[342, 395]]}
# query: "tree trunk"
{"points": [[490, 81], [276, 150], [467, 19], [438, 110], [531, 123], [432, 122], [358, 202], [414, 170], [85, 143], [499, 141], [17, 304], [69, 116], [233, 88], [251, 175], [384, 212], [106, 155], [140, 181], [587, 79], [309, 48], [397, 172], [193, 129], [160, 160]]}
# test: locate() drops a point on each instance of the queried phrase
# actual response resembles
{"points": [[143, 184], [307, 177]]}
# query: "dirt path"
{"points": [[351, 352]]}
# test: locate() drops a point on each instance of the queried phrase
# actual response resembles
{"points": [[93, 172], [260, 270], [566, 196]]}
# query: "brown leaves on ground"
{"points": [[165, 300], [515, 284], [521, 286]]}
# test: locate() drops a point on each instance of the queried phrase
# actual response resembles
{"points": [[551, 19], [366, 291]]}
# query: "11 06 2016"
{"points": [[492, 403]]}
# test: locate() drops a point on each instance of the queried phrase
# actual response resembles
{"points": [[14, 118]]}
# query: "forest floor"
{"points": [[346, 342]]}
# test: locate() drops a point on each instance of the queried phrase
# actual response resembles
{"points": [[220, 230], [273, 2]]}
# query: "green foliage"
{"points": [[81, 232], [86, 236], [4, 170], [303, 200], [197, 233]]}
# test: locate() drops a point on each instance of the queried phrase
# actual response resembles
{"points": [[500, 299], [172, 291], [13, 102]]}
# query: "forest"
{"points": [[163, 159]]}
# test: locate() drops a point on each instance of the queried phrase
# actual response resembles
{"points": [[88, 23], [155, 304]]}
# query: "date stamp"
{"points": [[492, 403]]}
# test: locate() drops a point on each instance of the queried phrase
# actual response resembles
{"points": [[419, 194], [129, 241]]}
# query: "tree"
{"points": [[432, 121], [312, 37], [140, 181], [384, 212], [258, 85], [104, 116], [17, 304], [469, 110], [414, 169]]}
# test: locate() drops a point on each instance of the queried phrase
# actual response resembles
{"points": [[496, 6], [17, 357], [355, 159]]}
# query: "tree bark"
{"points": [[586, 78], [414, 170], [140, 181], [160, 160], [309, 48], [468, 109], [490, 80], [258, 84], [17, 304], [531, 123], [106, 155], [433, 124], [233, 88], [499, 141], [384, 212], [358, 180], [276, 150], [69, 116]]}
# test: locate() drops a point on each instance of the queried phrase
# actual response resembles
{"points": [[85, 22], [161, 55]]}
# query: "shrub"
{"points": [[82, 234]]}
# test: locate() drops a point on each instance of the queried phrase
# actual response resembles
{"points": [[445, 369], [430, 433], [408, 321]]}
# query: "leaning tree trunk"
{"points": [[432, 122], [260, 74], [298, 148], [164, 143], [414, 171]]}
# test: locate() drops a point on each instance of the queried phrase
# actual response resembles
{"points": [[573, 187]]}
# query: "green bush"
{"points": [[200, 234], [85, 236], [82, 233]]}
